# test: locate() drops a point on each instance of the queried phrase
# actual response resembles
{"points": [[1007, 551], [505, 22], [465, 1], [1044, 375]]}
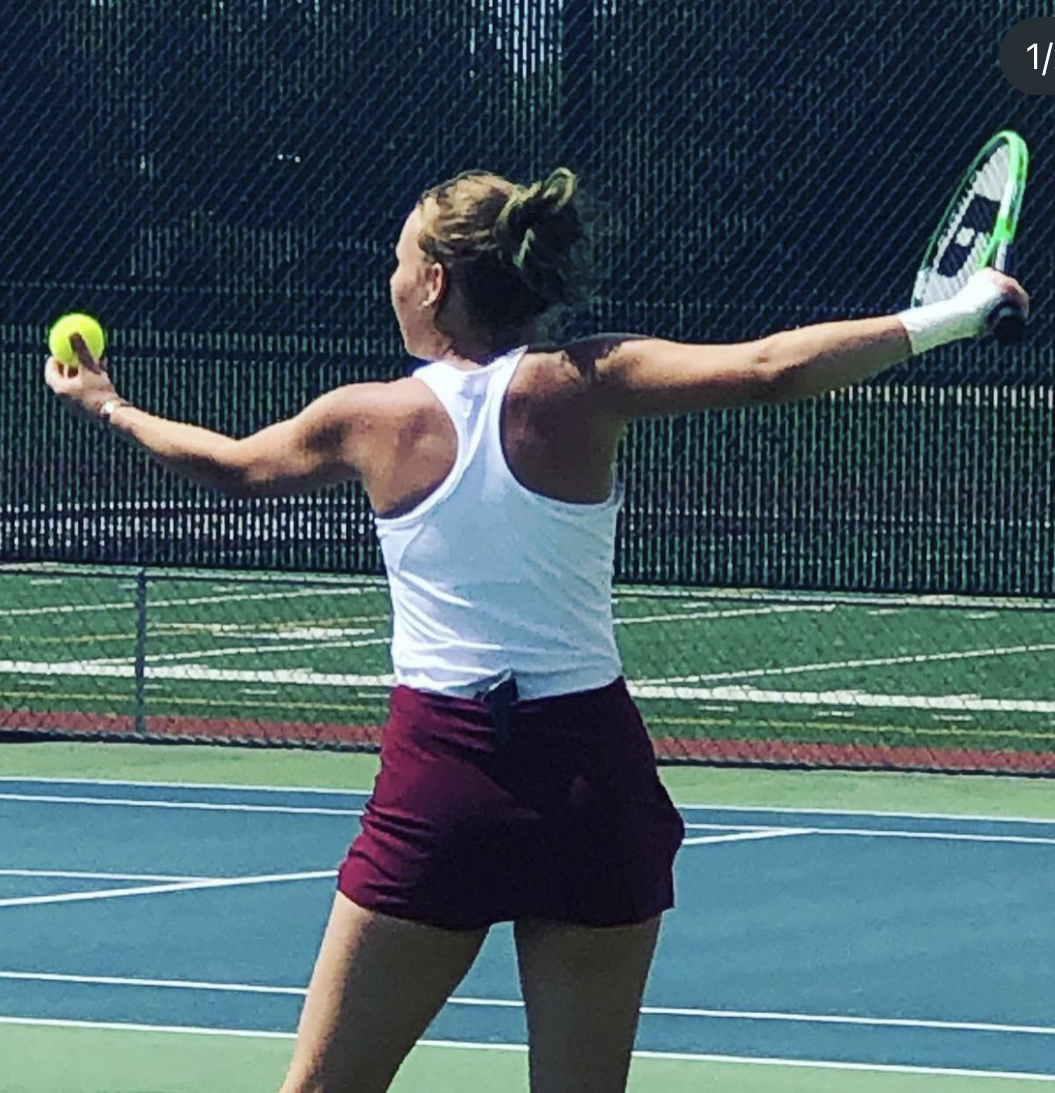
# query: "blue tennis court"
{"points": [[850, 939]]}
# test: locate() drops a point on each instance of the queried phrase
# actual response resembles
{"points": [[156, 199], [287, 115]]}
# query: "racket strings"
{"points": [[962, 244]]}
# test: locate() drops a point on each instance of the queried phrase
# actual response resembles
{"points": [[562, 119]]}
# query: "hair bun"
{"points": [[538, 231]]}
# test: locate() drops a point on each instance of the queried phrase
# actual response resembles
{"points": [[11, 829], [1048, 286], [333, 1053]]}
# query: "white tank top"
{"points": [[487, 576]]}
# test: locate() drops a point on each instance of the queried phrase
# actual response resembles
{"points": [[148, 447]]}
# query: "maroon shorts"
{"points": [[565, 819]]}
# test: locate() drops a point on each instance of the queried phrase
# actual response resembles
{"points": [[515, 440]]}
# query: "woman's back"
{"points": [[488, 574], [558, 438]]}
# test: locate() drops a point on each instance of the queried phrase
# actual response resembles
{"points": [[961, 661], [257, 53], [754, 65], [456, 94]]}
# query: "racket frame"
{"points": [[997, 253]]}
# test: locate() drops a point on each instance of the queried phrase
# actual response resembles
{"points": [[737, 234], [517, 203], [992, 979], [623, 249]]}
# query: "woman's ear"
{"points": [[436, 282]]}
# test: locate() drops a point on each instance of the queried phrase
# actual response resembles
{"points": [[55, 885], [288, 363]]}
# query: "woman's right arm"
{"points": [[649, 377], [328, 442]]}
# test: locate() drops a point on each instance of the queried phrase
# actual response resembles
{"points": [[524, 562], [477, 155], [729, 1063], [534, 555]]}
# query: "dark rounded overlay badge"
{"points": [[1027, 56]]}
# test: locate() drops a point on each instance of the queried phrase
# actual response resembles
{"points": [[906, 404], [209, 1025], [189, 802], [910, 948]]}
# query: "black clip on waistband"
{"points": [[500, 694]]}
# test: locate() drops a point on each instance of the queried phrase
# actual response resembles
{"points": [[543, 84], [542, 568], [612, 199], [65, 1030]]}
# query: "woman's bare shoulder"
{"points": [[582, 357], [401, 395]]}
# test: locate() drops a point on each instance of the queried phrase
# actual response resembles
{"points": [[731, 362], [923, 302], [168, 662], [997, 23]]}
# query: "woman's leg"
{"points": [[378, 982], [582, 988]]}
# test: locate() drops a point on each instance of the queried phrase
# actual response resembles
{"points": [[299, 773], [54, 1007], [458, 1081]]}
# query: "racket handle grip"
{"points": [[1007, 324], [1005, 320]]}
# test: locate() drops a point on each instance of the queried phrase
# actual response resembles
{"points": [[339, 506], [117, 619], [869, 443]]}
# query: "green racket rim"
{"points": [[1010, 202]]}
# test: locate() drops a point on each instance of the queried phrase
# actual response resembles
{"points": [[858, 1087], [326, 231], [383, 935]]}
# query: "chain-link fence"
{"points": [[837, 680], [222, 182]]}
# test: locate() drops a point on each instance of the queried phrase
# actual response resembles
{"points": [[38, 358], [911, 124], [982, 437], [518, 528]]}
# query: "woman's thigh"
{"points": [[378, 982], [582, 989]]}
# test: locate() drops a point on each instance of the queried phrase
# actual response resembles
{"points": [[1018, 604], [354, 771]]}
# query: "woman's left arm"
{"points": [[312, 450]]}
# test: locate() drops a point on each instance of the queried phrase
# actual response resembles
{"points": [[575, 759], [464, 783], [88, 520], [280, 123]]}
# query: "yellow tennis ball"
{"points": [[88, 328]]}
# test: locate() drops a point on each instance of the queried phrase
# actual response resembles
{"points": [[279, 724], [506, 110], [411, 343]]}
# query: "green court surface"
{"points": [[98, 1061], [42, 1059], [828, 680]]}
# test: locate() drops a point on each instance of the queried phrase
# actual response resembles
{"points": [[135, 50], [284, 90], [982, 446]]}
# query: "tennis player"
{"points": [[517, 782]]}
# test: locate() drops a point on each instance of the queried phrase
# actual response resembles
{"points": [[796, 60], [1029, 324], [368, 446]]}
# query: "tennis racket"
{"points": [[977, 230]]}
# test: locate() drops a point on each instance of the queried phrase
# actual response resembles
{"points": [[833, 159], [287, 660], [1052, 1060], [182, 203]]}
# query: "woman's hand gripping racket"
{"points": [[977, 230]]}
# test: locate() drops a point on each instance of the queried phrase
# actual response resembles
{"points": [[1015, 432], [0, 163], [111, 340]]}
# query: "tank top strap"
{"points": [[466, 394], [444, 381]]}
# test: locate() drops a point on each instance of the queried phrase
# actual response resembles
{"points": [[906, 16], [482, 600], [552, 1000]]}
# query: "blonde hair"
{"points": [[516, 252]]}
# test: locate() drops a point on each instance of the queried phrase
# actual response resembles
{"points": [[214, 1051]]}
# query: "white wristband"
{"points": [[963, 316]]}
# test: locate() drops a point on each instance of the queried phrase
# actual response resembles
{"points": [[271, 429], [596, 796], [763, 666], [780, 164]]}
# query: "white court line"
{"points": [[745, 836], [837, 599], [835, 665], [65, 874], [163, 889], [838, 1019], [777, 810], [759, 809], [940, 836], [874, 833], [253, 630], [856, 699], [725, 827], [202, 806], [167, 984], [240, 650], [116, 1026], [739, 831], [194, 673], [827, 1064], [195, 601], [858, 832], [820, 1064], [515, 1003], [731, 613], [233, 786]]}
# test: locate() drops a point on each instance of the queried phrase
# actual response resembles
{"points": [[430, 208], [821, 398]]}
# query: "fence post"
{"points": [[141, 654]]}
